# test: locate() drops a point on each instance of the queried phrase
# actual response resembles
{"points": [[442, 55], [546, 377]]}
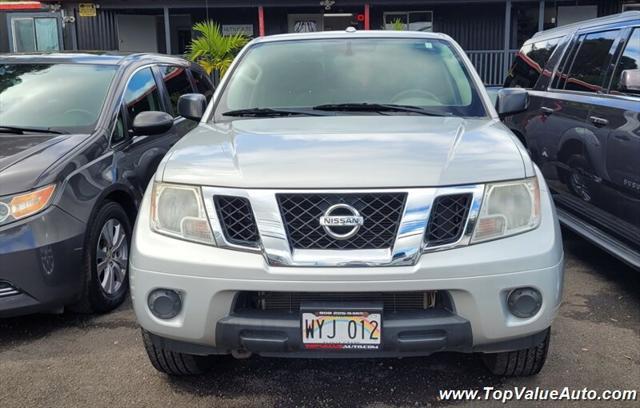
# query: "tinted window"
{"points": [[590, 65], [630, 59], [119, 131], [142, 94], [203, 85], [560, 77], [529, 63], [59, 96], [426, 73], [177, 84]]}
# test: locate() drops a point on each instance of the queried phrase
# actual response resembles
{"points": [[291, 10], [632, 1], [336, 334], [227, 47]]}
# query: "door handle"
{"points": [[624, 138], [598, 121], [547, 111]]}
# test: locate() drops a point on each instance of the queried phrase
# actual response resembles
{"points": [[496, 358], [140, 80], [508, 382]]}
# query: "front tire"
{"points": [[577, 180], [174, 363], [106, 260], [519, 363]]}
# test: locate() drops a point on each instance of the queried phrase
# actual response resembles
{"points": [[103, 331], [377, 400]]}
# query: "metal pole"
{"points": [[167, 30], [541, 15], [367, 17], [261, 21], [507, 36]]}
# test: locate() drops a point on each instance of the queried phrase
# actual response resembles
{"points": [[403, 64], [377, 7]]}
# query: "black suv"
{"points": [[80, 137], [582, 125]]}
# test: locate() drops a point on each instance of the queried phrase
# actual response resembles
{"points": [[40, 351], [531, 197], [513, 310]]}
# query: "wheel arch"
{"points": [[570, 147], [121, 195], [126, 201]]}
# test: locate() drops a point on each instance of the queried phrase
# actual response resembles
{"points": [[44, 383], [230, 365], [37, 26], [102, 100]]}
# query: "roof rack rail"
{"points": [[594, 22]]}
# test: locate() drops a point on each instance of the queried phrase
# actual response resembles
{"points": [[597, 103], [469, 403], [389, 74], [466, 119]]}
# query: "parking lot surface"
{"points": [[74, 360]]}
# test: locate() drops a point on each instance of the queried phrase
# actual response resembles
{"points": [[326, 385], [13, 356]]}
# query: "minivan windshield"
{"points": [[350, 76], [58, 97]]}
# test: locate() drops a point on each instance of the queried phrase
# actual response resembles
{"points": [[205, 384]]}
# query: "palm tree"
{"points": [[398, 25], [212, 50]]}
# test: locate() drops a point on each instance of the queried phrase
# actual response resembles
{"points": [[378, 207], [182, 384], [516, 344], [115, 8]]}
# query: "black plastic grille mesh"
{"points": [[381, 212], [448, 218], [236, 219], [291, 301]]}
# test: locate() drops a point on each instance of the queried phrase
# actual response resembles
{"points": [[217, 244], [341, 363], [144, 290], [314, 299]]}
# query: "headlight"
{"points": [[22, 205], [508, 208], [179, 211]]}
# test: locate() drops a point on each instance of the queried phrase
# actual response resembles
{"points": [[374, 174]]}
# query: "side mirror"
{"points": [[192, 106], [511, 101], [152, 123], [492, 91], [630, 80]]}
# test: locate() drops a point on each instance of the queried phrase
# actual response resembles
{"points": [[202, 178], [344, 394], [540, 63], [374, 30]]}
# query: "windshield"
{"points": [[62, 97], [302, 74]]}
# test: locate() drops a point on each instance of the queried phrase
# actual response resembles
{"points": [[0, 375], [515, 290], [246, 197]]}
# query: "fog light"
{"points": [[164, 303], [524, 302]]}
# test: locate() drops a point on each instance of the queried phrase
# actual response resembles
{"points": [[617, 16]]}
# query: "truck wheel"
{"points": [[174, 363], [519, 363], [106, 260], [579, 184]]}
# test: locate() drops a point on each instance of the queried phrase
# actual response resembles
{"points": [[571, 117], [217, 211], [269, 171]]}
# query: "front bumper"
{"points": [[477, 278], [40, 261]]}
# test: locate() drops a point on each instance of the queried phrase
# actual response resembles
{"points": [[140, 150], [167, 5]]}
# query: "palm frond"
{"points": [[211, 49]]}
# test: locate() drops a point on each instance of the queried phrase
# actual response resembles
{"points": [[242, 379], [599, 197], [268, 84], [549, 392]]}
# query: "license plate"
{"points": [[341, 330]]}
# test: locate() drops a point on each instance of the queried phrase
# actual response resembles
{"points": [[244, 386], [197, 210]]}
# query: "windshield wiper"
{"points": [[377, 107], [19, 130], [270, 112]]}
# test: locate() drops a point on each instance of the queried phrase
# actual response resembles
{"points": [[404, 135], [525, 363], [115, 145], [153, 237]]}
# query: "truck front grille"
{"points": [[382, 213], [448, 219], [290, 301], [237, 221]]}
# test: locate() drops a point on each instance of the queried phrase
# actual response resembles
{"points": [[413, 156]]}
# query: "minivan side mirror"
{"points": [[630, 80], [192, 106], [511, 101], [152, 123]]}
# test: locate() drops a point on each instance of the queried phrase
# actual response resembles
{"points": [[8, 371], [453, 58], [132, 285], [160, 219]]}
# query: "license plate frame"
{"points": [[366, 327]]}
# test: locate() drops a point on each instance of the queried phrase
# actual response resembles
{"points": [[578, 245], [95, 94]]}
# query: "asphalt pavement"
{"points": [[98, 361]]}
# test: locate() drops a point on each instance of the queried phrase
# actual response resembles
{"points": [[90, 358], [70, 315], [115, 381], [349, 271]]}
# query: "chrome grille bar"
{"points": [[408, 245], [7, 290]]}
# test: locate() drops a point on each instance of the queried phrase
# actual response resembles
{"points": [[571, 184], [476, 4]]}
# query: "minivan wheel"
{"points": [[174, 363], [519, 363], [106, 260], [578, 183]]}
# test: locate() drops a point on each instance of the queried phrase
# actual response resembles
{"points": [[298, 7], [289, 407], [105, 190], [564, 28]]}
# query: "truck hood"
{"points": [[23, 158], [346, 152]]}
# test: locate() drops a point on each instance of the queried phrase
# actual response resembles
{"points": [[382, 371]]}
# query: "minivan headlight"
{"points": [[19, 206], [508, 208], [178, 210]]}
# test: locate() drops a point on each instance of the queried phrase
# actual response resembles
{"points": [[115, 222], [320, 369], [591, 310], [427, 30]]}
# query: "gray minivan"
{"points": [[81, 135]]}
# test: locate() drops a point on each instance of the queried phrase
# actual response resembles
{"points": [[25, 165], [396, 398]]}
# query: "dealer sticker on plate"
{"points": [[341, 330]]}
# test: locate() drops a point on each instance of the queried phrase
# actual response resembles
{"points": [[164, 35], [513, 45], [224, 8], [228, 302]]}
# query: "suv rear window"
{"points": [[529, 63], [630, 59], [592, 60]]}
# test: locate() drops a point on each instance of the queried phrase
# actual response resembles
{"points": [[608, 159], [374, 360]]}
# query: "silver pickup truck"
{"points": [[348, 194]]}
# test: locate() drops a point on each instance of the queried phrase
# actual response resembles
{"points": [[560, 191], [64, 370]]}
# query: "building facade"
{"points": [[489, 30]]}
